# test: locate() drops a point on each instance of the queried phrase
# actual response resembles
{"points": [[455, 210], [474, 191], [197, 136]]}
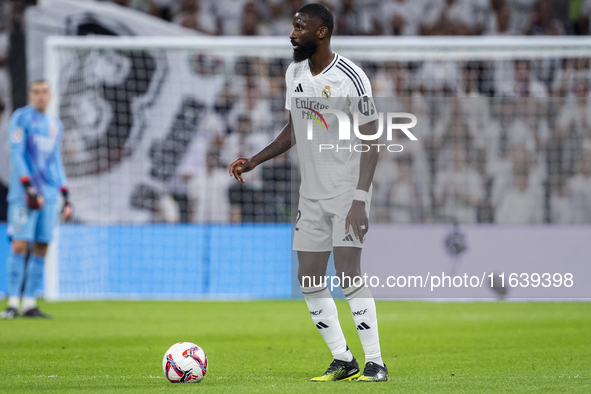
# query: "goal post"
{"points": [[151, 124]]}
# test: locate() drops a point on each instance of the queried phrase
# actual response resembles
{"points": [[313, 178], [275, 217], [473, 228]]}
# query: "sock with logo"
{"points": [[326, 318], [34, 275], [16, 275], [363, 309]]}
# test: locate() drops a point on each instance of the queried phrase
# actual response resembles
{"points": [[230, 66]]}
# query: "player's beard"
{"points": [[304, 51]]}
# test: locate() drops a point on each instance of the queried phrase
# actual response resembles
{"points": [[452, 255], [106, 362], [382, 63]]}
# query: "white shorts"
{"points": [[320, 224]]}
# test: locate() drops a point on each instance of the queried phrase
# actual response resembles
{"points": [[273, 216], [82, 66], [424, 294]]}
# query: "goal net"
{"points": [[152, 124]]}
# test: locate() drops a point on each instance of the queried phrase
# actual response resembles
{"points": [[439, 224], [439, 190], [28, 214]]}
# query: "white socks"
{"points": [[363, 309], [325, 316], [13, 302], [29, 303]]}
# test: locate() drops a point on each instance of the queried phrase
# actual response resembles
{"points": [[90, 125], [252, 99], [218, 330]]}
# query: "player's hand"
{"points": [[240, 166], [66, 211], [33, 199], [67, 208], [357, 220]]}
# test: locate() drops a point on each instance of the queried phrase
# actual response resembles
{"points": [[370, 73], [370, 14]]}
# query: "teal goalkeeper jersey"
{"points": [[35, 152]]}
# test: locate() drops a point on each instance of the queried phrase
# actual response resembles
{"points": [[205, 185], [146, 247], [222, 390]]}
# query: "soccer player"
{"points": [[335, 192], [37, 177]]}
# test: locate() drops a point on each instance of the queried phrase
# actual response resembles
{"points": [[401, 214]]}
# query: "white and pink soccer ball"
{"points": [[184, 362]]}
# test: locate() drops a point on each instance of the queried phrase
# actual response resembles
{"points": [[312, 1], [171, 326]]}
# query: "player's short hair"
{"points": [[37, 82], [321, 12]]}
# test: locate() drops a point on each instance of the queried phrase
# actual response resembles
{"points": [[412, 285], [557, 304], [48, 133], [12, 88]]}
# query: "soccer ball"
{"points": [[184, 362]]}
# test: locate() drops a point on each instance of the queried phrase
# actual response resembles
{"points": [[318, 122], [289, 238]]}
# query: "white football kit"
{"points": [[329, 165]]}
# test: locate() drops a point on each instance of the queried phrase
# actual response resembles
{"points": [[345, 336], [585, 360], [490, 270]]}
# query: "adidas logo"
{"points": [[299, 88], [362, 327], [348, 238], [321, 325]]}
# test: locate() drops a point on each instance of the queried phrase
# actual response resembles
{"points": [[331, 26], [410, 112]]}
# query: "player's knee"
{"points": [[40, 249], [312, 280], [20, 247], [349, 277]]}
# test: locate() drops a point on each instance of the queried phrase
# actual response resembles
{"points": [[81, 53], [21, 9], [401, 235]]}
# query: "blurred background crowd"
{"points": [[378, 17], [500, 141], [505, 141]]}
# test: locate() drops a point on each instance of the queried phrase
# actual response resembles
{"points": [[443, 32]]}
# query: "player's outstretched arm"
{"points": [[282, 143], [357, 217]]}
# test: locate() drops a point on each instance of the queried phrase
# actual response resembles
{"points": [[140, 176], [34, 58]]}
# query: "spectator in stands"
{"points": [[415, 155], [499, 21], [451, 128], [401, 17], [473, 106], [438, 77], [573, 129], [277, 190], [583, 20], [523, 83], [575, 115], [122, 3], [282, 16], [458, 189], [448, 18], [164, 9], [502, 135], [244, 141], [572, 71], [192, 16], [384, 177], [392, 79], [352, 20], [209, 190], [229, 16], [542, 23], [520, 164], [521, 13], [408, 199], [580, 189], [251, 20], [561, 211], [257, 107], [522, 202]]}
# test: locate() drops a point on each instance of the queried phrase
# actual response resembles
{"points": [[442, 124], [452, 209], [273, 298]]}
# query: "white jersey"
{"points": [[342, 86]]}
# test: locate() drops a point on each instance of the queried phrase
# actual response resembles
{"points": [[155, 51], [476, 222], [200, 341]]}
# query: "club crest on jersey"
{"points": [[326, 92], [17, 135]]}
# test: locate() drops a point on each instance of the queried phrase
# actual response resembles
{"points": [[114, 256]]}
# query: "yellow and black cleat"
{"points": [[374, 373], [340, 370]]}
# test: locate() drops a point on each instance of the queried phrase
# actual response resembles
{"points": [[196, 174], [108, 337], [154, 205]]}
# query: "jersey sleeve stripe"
{"points": [[351, 78], [357, 77]]}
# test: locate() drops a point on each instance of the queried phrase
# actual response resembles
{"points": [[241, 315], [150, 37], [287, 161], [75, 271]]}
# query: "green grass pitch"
{"points": [[272, 346]]}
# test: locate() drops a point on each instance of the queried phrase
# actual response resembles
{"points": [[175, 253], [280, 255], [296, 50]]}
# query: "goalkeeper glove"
{"points": [[67, 207], [33, 199]]}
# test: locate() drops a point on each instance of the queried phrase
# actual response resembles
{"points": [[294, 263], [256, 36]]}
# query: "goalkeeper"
{"points": [[36, 180]]}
